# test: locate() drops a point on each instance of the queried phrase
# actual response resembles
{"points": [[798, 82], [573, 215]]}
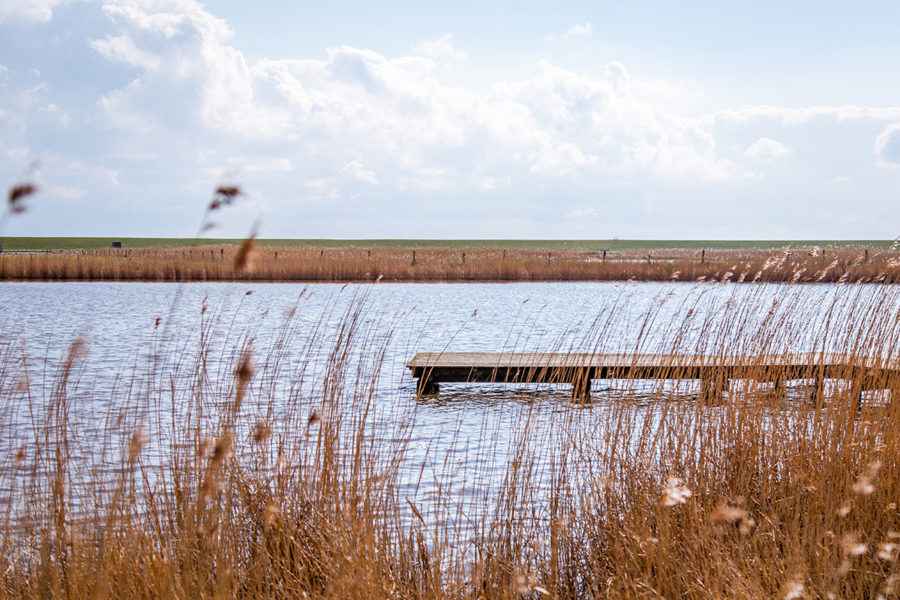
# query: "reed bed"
{"points": [[205, 263], [250, 468]]}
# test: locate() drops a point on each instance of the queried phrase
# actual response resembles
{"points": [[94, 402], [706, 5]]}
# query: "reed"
{"points": [[217, 263], [261, 468]]}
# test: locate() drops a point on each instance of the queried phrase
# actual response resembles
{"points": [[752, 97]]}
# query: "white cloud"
{"points": [[166, 17], [28, 10], [766, 150], [66, 192], [801, 115], [311, 130], [840, 179], [257, 165], [558, 160], [579, 213], [887, 146], [583, 30], [438, 49], [396, 115], [122, 49], [355, 169], [493, 183]]}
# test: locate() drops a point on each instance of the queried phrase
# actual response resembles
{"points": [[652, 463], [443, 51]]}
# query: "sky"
{"points": [[401, 119]]}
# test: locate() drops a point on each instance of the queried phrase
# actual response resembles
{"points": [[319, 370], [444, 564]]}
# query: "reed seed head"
{"points": [[887, 551], [244, 371], [863, 486], [222, 450], [852, 546], [675, 492], [138, 441], [261, 432], [271, 516], [243, 256], [794, 587], [17, 195], [224, 196]]}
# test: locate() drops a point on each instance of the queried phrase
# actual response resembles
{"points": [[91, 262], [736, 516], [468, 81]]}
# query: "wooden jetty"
{"points": [[715, 372]]}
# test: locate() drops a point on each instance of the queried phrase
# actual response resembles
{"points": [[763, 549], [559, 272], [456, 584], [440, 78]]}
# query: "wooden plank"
{"points": [[578, 369]]}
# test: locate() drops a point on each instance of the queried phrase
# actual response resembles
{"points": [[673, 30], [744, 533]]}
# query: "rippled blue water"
{"points": [[465, 434]]}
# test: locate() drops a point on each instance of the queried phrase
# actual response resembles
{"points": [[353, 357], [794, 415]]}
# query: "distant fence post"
{"points": [[703, 256], [414, 258]]}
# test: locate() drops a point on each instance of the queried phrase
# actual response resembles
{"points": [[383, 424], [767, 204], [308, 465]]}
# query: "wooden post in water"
{"points": [[581, 388], [428, 386], [779, 387], [818, 391], [712, 390], [856, 393]]}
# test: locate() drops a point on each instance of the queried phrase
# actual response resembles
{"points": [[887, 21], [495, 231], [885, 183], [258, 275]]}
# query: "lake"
{"points": [[144, 343]]}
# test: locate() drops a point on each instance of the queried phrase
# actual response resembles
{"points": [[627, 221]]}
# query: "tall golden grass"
{"points": [[212, 481], [394, 264]]}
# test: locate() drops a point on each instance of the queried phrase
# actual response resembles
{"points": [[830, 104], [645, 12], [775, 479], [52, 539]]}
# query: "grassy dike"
{"points": [[98, 243]]}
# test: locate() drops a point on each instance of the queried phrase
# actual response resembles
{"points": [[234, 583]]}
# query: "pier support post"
{"points": [[712, 390], [779, 387], [856, 392], [818, 392], [427, 386], [581, 389]]}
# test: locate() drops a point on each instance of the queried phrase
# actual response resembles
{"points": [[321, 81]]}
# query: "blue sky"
{"points": [[458, 120]]}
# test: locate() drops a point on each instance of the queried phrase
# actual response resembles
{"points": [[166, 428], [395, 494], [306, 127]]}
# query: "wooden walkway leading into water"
{"points": [[715, 372]]}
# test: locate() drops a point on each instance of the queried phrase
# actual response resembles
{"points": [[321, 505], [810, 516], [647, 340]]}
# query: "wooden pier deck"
{"points": [[715, 372]]}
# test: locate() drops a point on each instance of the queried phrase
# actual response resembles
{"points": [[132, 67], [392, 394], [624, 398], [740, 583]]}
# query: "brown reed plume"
{"points": [[17, 195], [15, 202]]}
